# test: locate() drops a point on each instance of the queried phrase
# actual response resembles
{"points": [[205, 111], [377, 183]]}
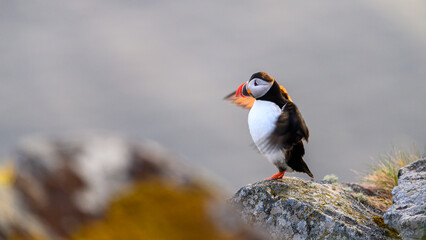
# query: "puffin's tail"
{"points": [[294, 159]]}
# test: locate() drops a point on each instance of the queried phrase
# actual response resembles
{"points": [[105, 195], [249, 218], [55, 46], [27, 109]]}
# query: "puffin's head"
{"points": [[258, 85]]}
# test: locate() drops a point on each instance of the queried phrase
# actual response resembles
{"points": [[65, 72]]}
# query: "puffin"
{"points": [[275, 123]]}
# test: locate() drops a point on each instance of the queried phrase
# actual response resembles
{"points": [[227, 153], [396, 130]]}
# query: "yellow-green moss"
{"points": [[155, 210], [389, 232]]}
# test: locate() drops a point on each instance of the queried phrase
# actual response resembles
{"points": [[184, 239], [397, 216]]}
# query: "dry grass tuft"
{"points": [[383, 173]]}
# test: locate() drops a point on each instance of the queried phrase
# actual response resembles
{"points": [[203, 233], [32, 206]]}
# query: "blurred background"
{"points": [[159, 70]]}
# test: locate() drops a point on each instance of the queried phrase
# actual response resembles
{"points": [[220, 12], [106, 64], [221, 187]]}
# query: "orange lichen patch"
{"points": [[154, 210]]}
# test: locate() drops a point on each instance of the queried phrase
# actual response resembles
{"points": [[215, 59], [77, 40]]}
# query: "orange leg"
{"points": [[276, 176]]}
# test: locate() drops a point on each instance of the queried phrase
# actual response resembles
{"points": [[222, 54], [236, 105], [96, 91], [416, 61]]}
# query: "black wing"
{"points": [[294, 159], [290, 129]]}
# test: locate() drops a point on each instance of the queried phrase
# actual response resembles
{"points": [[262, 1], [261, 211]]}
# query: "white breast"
{"points": [[261, 120]]}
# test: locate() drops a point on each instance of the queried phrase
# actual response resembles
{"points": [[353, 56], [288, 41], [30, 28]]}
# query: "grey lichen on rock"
{"points": [[408, 213], [293, 208]]}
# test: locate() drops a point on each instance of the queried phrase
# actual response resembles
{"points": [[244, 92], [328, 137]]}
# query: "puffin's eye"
{"points": [[255, 83]]}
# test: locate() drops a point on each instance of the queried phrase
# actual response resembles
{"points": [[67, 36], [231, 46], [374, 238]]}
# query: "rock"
{"points": [[408, 213], [293, 208], [109, 188]]}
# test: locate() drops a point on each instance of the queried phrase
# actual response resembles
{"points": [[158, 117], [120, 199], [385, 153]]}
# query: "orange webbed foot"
{"points": [[276, 176]]}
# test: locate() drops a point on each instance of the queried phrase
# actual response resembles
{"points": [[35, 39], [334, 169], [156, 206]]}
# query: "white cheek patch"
{"points": [[260, 89]]}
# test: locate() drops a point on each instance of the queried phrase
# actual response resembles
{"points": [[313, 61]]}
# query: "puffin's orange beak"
{"points": [[243, 91]]}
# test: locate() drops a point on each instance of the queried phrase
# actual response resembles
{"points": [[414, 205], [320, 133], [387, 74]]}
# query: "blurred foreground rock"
{"points": [[408, 213], [293, 208], [109, 188]]}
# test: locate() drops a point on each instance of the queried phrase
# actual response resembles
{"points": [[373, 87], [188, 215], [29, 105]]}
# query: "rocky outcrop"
{"points": [[293, 208], [408, 213], [110, 188]]}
